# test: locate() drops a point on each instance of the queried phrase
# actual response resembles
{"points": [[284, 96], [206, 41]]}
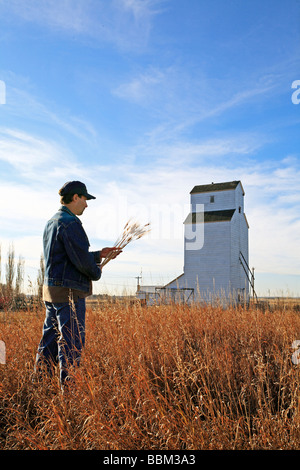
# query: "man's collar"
{"points": [[66, 209]]}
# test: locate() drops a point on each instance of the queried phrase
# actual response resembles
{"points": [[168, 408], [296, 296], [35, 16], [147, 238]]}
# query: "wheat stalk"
{"points": [[132, 231]]}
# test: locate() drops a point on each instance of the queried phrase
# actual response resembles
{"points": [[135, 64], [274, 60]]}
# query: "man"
{"points": [[70, 269]]}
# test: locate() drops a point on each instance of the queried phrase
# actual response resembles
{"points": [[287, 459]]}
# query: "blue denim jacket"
{"points": [[68, 261]]}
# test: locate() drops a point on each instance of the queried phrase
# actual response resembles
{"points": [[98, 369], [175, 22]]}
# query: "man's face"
{"points": [[80, 204]]}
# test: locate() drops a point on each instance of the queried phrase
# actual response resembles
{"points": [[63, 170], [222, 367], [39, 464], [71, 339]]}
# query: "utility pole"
{"points": [[138, 281]]}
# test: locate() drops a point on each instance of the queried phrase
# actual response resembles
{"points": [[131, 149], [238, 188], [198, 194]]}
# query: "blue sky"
{"points": [[142, 100]]}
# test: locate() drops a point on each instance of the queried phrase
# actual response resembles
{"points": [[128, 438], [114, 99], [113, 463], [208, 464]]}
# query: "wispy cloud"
{"points": [[23, 151], [124, 23], [37, 159], [24, 105], [142, 88], [183, 152], [67, 15], [179, 101]]}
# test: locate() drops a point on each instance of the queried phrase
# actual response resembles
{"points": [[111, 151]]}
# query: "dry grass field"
{"points": [[162, 377]]}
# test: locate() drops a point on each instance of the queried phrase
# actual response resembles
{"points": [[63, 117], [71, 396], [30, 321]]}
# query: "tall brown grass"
{"points": [[161, 377]]}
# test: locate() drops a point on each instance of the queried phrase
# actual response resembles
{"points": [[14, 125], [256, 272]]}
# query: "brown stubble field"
{"points": [[168, 377]]}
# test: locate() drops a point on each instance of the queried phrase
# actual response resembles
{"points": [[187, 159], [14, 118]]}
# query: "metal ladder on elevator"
{"points": [[249, 273]]}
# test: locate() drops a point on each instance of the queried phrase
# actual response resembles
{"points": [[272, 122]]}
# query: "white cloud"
{"points": [[23, 151], [27, 108], [139, 8], [124, 23], [70, 15], [39, 159], [140, 89]]}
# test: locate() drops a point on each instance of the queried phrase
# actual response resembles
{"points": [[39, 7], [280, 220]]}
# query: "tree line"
{"points": [[12, 294]]}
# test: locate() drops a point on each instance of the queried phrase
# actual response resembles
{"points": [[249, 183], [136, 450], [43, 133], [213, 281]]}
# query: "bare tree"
{"points": [[10, 268], [20, 276], [40, 277]]}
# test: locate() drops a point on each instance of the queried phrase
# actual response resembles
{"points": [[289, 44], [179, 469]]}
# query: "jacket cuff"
{"points": [[97, 257]]}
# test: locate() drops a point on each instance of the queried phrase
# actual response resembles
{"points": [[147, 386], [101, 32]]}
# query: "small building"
{"points": [[215, 249]]}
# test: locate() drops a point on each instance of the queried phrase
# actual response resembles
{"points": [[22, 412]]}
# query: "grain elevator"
{"points": [[215, 249]]}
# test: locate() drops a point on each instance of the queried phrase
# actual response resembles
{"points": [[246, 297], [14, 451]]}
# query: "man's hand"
{"points": [[112, 251]]}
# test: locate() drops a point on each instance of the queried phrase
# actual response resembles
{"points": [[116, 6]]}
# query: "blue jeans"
{"points": [[63, 337]]}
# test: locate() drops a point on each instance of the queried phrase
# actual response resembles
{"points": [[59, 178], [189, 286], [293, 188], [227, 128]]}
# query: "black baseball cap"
{"points": [[75, 187]]}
